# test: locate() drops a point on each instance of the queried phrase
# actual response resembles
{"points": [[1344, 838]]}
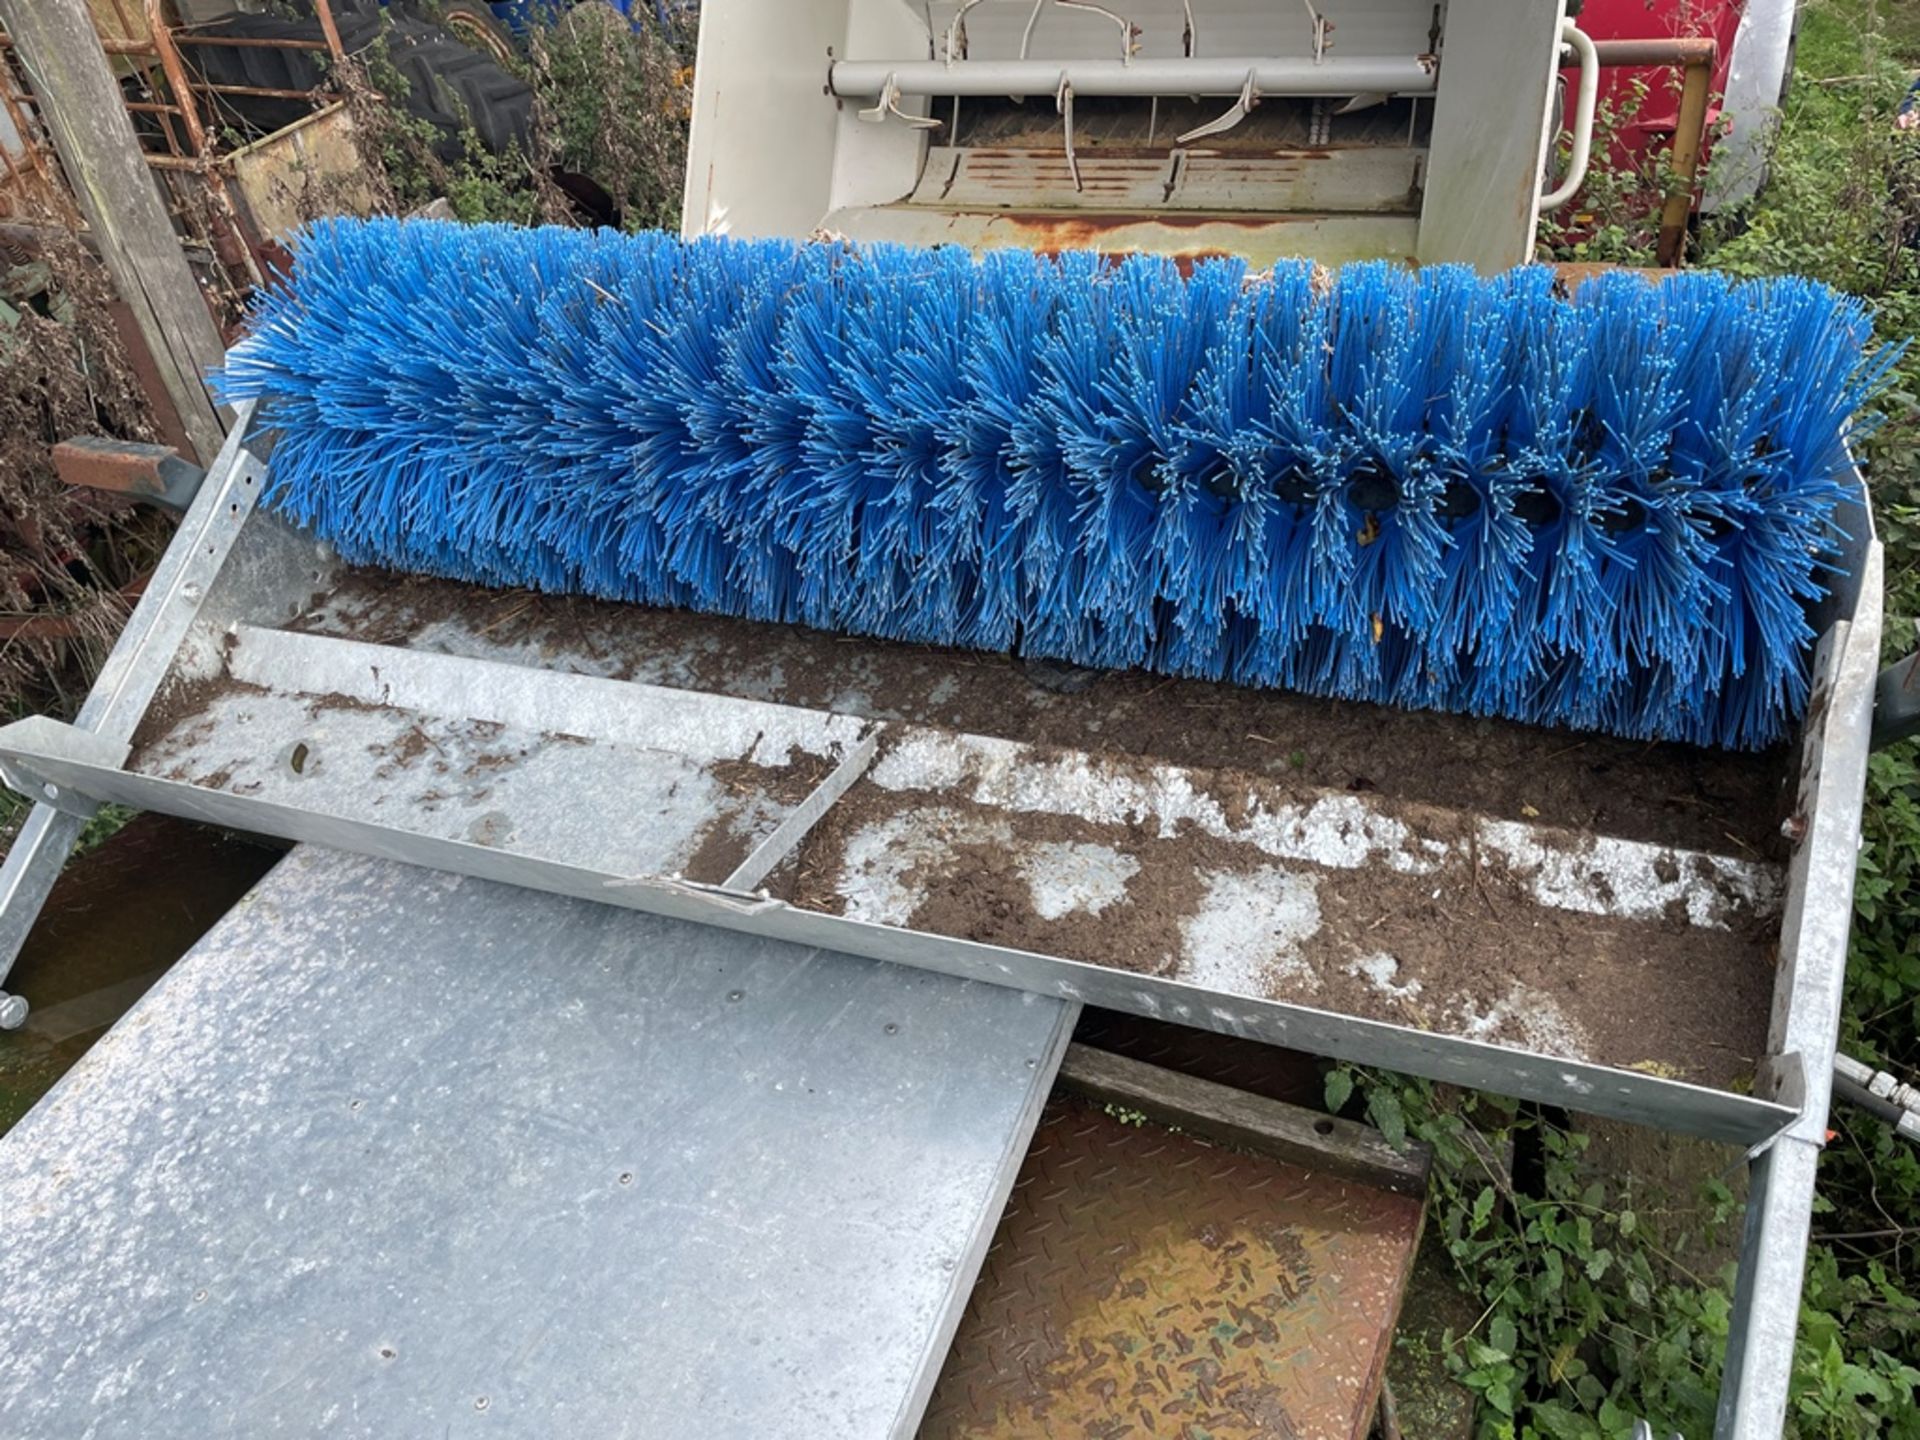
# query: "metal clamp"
{"points": [[957, 32], [1063, 102], [1585, 104], [888, 103], [1322, 28]]}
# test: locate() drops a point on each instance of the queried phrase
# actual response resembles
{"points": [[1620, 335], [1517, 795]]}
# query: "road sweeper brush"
{"points": [[1432, 489], [1224, 482]]}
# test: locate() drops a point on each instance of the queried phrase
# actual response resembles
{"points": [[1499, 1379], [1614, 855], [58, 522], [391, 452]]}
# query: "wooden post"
{"points": [[85, 114]]}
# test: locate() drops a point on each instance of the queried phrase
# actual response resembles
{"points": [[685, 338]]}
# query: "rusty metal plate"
{"points": [[1145, 1284]]}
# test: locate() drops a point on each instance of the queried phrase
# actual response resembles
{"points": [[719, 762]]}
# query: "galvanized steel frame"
{"points": [[61, 765]]}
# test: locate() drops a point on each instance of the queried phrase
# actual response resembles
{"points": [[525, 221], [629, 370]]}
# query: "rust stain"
{"points": [[1159, 154], [123, 466], [1143, 1283]]}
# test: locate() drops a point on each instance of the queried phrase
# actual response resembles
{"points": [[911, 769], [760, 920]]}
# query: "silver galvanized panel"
{"points": [[1813, 959], [400, 1153], [1758, 73], [132, 672], [1490, 127], [37, 746]]}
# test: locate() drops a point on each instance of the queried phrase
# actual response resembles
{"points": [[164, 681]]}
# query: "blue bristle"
{"points": [[1613, 511]]}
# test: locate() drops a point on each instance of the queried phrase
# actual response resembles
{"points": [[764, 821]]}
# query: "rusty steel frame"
{"points": [[1696, 56]]}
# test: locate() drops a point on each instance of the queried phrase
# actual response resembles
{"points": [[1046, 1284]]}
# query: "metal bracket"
{"points": [[888, 103]]}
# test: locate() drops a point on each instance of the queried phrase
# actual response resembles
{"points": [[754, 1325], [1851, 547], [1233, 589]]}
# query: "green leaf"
{"points": [[1383, 1108], [1482, 1209], [1339, 1087], [1502, 1336]]}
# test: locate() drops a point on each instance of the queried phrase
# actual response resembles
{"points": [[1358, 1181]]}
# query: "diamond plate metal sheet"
{"points": [[1145, 1284]]}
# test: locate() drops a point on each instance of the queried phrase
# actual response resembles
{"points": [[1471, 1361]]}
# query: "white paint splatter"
{"points": [[1069, 877], [1382, 971], [1530, 1017], [1249, 930], [1590, 875], [876, 880], [1606, 876], [1341, 832]]}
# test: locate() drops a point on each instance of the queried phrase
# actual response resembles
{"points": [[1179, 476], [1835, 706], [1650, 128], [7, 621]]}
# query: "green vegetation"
{"points": [[610, 104], [1594, 1312]]}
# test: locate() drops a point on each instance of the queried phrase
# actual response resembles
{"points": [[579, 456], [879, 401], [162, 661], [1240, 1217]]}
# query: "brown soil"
{"points": [[722, 848], [1672, 794], [1682, 999]]}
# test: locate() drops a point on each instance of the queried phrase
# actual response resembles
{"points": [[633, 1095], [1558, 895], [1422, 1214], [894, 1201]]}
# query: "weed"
{"points": [[1586, 1323]]}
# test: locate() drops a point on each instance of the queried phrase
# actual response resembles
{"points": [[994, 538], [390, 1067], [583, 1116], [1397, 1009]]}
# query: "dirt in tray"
{"points": [[732, 835], [1673, 794], [178, 712], [1466, 950]]}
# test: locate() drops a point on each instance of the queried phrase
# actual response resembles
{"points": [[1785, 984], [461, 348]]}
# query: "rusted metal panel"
{"points": [[1366, 180], [317, 153], [1259, 239], [1143, 1283]]}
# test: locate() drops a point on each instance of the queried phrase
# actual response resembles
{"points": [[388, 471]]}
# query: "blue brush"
{"points": [[1612, 511]]}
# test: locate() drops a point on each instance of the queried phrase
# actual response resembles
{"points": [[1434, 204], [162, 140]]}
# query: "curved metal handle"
{"points": [[1583, 109]]}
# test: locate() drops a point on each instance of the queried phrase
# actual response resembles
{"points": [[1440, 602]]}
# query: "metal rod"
{"points": [[323, 12], [247, 42], [1905, 1123], [1411, 75], [176, 72], [1686, 50], [1689, 136], [260, 90], [1886, 1086]]}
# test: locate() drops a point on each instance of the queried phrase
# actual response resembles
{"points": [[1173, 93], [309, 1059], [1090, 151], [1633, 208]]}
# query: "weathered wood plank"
{"points": [[93, 136], [1233, 1117]]}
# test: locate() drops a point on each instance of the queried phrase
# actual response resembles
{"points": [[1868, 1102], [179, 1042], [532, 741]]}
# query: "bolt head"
{"points": [[13, 1011]]}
